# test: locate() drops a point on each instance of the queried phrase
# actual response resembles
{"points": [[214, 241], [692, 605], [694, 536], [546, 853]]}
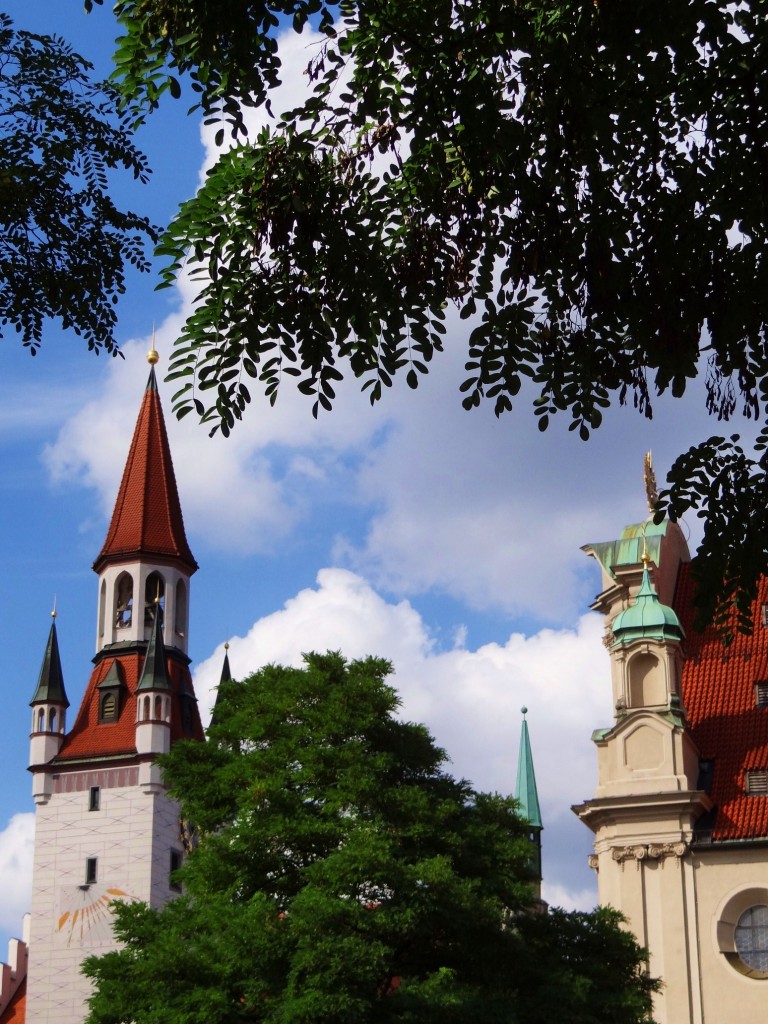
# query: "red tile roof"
{"points": [[88, 738], [726, 724], [16, 1010], [147, 517]]}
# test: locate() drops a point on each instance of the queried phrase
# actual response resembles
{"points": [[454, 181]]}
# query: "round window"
{"points": [[751, 938]]}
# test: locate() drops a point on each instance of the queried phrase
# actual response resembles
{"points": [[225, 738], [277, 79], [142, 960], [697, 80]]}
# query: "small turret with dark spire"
{"points": [[153, 695], [49, 704]]}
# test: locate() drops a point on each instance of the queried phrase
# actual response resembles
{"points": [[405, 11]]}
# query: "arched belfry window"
{"points": [[102, 606], [154, 594], [180, 625], [123, 600], [647, 685]]}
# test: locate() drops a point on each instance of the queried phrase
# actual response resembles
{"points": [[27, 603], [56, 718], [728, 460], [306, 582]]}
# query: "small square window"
{"points": [[94, 798], [91, 870], [764, 615], [176, 862], [761, 693], [757, 782]]}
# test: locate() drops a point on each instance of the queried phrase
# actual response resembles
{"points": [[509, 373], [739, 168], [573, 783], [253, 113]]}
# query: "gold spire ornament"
{"points": [[152, 355], [651, 488]]}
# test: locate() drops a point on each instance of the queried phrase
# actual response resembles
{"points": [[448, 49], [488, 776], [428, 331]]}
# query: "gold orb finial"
{"points": [[53, 612], [152, 355], [226, 645]]}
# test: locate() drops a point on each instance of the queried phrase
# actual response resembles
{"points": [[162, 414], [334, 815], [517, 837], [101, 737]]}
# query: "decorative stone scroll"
{"points": [[653, 851]]}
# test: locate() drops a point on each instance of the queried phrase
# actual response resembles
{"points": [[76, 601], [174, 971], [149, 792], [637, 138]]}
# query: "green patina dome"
{"points": [[647, 618]]}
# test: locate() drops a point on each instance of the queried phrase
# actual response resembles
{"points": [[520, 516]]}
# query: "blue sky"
{"points": [[445, 540]]}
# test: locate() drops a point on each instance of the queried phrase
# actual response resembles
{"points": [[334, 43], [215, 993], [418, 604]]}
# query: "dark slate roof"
{"points": [[50, 683]]}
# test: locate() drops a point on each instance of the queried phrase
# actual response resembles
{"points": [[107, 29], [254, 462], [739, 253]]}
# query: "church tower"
{"points": [[105, 828]]}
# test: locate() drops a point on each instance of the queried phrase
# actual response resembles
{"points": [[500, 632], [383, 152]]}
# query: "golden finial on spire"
{"points": [[226, 645], [651, 490], [53, 613], [645, 557], [152, 356]]}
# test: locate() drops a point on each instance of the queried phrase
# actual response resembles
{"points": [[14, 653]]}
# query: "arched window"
{"points": [[52, 720], [154, 595], [41, 720], [102, 606], [145, 716], [646, 682], [123, 600], [158, 709], [180, 624]]}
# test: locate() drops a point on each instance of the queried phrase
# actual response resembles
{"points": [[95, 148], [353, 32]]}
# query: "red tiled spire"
{"points": [[147, 518]]}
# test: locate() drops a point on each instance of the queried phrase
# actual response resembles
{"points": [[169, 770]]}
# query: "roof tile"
{"points": [[726, 723], [147, 517]]}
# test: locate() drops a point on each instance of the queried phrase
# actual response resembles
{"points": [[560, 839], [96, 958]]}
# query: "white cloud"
{"points": [[16, 848], [470, 700]]}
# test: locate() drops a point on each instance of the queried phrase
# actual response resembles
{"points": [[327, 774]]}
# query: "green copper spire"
{"points": [[647, 618], [526, 793], [50, 684], [154, 675]]}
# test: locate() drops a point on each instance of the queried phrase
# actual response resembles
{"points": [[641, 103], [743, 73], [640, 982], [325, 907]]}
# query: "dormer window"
{"points": [[110, 690], [761, 693], [764, 615], [108, 709], [756, 782]]}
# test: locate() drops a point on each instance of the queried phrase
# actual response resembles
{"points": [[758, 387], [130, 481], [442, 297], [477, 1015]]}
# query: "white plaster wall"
{"points": [[132, 835]]}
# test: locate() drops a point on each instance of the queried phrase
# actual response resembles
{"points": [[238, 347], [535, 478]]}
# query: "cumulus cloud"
{"points": [[469, 699], [16, 848]]}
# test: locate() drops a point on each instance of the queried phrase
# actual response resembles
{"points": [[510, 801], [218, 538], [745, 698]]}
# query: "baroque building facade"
{"points": [[680, 812]]}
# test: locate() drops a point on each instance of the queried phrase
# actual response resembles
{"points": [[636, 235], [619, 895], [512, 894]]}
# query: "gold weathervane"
{"points": [[651, 489]]}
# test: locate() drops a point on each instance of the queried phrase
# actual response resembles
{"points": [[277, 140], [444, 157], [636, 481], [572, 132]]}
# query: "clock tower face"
{"points": [[84, 914]]}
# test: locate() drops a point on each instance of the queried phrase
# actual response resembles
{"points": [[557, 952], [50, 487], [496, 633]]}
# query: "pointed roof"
{"points": [[50, 684], [526, 793], [154, 675], [226, 677], [147, 519], [647, 618]]}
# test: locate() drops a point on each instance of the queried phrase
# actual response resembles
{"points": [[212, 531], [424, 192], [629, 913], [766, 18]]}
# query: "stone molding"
{"points": [[651, 851]]}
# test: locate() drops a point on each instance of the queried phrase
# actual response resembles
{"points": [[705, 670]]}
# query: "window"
{"points": [[761, 693], [757, 782], [123, 600], [176, 860], [94, 798], [764, 615], [181, 608], [154, 596], [751, 939], [91, 870], [108, 708], [742, 931]]}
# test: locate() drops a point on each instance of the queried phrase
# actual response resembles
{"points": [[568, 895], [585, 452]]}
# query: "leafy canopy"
{"points": [[63, 242], [585, 180], [343, 876]]}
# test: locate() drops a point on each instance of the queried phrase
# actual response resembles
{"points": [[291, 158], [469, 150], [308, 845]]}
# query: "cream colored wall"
{"points": [[724, 877], [132, 835]]}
